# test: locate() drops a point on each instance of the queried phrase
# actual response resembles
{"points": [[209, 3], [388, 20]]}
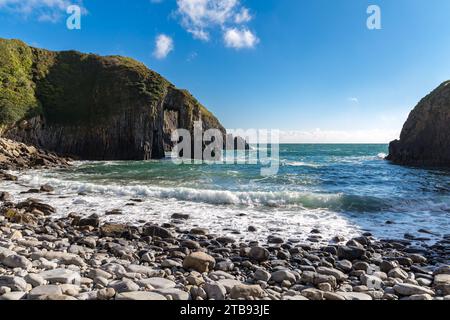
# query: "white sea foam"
{"points": [[224, 197]]}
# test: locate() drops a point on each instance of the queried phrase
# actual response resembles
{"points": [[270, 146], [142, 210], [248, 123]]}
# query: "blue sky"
{"points": [[308, 67]]}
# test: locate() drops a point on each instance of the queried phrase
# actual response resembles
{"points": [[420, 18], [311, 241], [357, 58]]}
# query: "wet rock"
{"points": [[180, 216], [350, 253], [114, 212], [46, 188], [156, 231], [259, 254], [92, 221], [113, 230]]}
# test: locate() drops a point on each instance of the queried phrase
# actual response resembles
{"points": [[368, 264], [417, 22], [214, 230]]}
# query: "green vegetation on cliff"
{"points": [[17, 88], [72, 88]]}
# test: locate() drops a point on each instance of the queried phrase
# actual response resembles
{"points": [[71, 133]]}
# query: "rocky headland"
{"points": [[92, 107], [425, 138]]}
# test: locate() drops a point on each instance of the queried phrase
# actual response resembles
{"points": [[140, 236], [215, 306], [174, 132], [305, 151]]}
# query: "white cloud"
{"points": [[201, 17], [43, 10], [339, 136], [353, 99], [243, 16], [163, 46], [238, 39]]}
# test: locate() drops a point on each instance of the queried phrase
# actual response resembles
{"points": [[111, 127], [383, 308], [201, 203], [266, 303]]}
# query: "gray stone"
{"points": [[125, 285], [313, 294], [61, 276], [228, 284], [176, 294], [262, 275], [136, 268], [406, 289], [442, 283], [155, 231], [398, 273], [17, 261], [259, 254], [350, 253], [34, 279], [15, 283], [243, 291], [283, 275], [339, 275], [215, 291], [44, 291], [354, 295], [13, 296], [157, 283], [344, 265], [140, 295]]}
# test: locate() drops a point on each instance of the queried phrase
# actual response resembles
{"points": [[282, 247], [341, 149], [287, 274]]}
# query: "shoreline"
{"points": [[79, 258]]}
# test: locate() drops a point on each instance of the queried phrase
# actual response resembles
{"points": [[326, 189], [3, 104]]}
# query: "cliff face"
{"points": [[425, 138], [91, 107]]}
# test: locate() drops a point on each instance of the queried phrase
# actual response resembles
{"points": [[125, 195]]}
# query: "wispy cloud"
{"points": [[339, 136], [354, 100], [201, 17], [42, 10], [163, 46], [238, 39]]}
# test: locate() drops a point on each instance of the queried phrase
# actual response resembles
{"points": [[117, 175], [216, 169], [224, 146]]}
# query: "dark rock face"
{"points": [[92, 107], [425, 138]]}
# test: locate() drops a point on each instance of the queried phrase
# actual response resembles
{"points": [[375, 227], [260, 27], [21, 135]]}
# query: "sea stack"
{"points": [[425, 138]]}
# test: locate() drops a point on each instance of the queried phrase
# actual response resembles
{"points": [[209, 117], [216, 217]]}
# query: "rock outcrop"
{"points": [[91, 107], [425, 138], [15, 155]]}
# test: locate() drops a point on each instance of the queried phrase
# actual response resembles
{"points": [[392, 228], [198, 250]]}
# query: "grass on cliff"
{"points": [[73, 88], [17, 89]]}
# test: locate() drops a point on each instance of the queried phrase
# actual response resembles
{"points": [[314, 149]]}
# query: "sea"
{"points": [[335, 189]]}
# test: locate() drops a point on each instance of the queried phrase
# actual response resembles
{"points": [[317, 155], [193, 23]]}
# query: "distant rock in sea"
{"points": [[425, 138], [91, 107]]}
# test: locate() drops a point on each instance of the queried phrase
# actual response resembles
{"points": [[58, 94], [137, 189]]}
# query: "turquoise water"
{"points": [[341, 188]]}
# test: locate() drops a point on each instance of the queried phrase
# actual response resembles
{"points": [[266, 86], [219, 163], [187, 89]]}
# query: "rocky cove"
{"points": [[114, 108], [82, 257]]}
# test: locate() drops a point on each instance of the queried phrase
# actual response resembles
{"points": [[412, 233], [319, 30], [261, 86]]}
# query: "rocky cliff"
{"points": [[425, 138], [91, 107]]}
